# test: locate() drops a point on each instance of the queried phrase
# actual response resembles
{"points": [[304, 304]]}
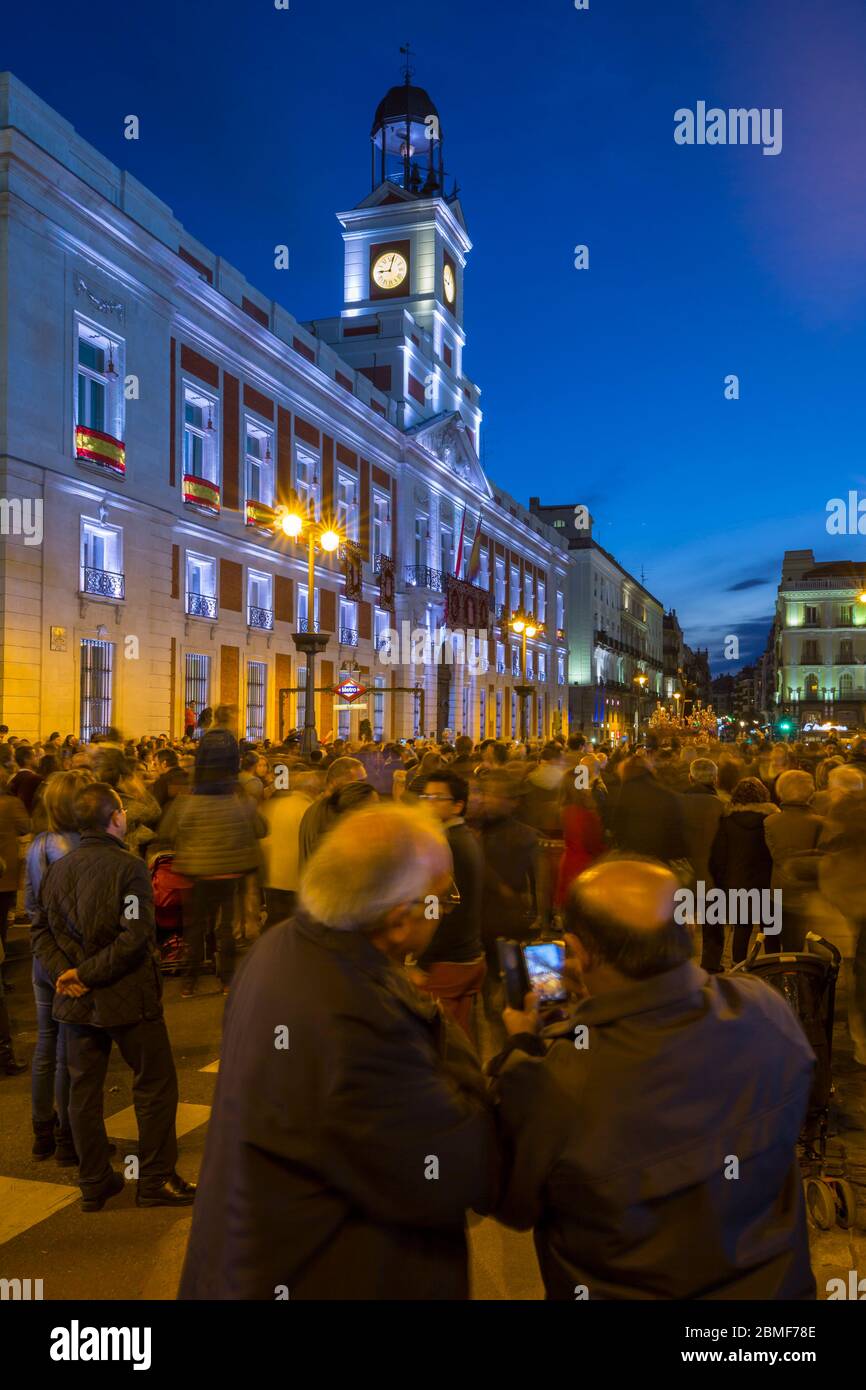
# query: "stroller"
{"points": [[171, 892], [807, 980]]}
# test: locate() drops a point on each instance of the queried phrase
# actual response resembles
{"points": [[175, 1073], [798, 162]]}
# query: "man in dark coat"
{"points": [[351, 1127], [646, 818], [653, 1156], [93, 931]]}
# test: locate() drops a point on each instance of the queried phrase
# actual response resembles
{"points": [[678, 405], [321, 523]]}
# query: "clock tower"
{"points": [[405, 254]]}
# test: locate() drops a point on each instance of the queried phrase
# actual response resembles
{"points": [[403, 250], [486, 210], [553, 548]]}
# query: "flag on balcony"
{"points": [[201, 493], [259, 514], [100, 448], [475, 554], [459, 564]]}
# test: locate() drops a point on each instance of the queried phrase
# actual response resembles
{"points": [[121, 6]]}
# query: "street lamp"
{"points": [[323, 535], [640, 680], [524, 625]]}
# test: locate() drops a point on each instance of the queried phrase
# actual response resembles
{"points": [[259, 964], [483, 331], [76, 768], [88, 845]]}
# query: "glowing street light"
{"points": [[525, 625], [322, 534]]}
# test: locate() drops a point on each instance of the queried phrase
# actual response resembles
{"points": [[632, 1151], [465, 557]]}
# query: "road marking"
{"points": [[211, 1066], [124, 1125], [24, 1203]]}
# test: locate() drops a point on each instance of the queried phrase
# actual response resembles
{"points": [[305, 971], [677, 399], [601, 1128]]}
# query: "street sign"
{"points": [[350, 690]]}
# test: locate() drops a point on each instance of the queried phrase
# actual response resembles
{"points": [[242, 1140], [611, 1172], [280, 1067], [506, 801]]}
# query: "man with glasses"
{"points": [[452, 968], [351, 1127]]}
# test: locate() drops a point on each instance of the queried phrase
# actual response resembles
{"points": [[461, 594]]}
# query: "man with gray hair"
{"points": [[351, 1128]]}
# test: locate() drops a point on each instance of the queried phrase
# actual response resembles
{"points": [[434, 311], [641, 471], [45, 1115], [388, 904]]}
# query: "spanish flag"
{"points": [[475, 554], [258, 514], [100, 448], [201, 492]]}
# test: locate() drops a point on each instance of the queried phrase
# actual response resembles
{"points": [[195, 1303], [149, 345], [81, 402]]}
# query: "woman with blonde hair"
{"points": [[50, 1083]]}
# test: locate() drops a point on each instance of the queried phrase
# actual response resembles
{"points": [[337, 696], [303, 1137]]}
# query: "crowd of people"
{"points": [[372, 881]]}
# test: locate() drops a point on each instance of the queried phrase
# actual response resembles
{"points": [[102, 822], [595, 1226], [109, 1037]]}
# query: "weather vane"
{"points": [[406, 50]]}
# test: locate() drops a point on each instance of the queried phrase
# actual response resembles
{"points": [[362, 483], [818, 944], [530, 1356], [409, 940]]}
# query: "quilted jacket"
{"points": [[95, 912]]}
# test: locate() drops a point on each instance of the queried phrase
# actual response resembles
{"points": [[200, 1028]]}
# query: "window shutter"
{"points": [[283, 599], [231, 581], [328, 610], [175, 571], [365, 620]]}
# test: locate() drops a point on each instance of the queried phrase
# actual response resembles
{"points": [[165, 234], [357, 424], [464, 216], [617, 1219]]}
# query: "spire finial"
{"points": [[406, 50]]}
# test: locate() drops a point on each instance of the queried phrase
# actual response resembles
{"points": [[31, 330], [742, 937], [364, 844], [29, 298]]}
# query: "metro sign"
{"points": [[350, 690]]}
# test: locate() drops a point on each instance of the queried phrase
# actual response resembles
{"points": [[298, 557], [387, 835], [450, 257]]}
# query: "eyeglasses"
{"points": [[447, 901], [434, 796]]}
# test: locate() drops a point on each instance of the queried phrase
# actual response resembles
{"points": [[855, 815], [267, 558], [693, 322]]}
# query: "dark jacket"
{"points": [[13, 822], [623, 1150], [95, 912], [458, 936], [316, 1172], [648, 819], [509, 849], [213, 835], [702, 809], [739, 857]]}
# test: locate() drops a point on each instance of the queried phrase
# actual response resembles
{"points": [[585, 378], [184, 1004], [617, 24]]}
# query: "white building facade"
{"points": [[820, 641], [157, 413]]}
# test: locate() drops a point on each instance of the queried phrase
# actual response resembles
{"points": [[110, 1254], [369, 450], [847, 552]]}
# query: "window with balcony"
{"points": [[200, 450], [348, 623], [560, 611], [379, 708], [515, 588], [446, 549], [560, 669], [201, 578], [811, 616], [500, 658], [303, 610], [307, 475], [542, 666], [528, 599], [421, 537], [530, 666], [381, 513], [259, 463], [483, 577], [846, 683], [846, 615], [499, 714], [101, 560], [99, 398], [381, 625], [348, 511], [515, 661], [260, 604], [499, 583], [257, 690], [541, 614], [811, 686]]}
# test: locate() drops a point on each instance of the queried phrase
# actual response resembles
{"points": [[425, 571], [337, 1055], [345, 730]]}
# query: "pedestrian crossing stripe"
{"points": [[124, 1125], [24, 1203]]}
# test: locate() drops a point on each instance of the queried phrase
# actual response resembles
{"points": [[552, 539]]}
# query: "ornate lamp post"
{"points": [[310, 643], [640, 681], [524, 625]]}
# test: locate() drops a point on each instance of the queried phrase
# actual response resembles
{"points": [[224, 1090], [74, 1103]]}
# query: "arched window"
{"points": [[811, 686]]}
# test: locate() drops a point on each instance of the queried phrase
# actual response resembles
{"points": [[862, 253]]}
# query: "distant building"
{"points": [[722, 695], [820, 641], [614, 633]]}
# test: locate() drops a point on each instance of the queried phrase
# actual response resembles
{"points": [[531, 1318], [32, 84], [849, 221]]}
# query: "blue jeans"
{"points": [[50, 1078]]}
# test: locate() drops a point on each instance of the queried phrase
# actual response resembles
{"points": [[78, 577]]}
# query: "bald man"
{"points": [[655, 1132]]}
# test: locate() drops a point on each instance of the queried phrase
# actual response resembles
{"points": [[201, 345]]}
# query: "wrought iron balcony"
{"points": [[201, 606], [104, 583], [303, 625], [259, 617], [379, 560], [348, 637], [422, 577]]}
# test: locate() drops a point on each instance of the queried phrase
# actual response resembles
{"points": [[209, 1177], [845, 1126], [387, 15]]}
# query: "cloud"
{"points": [[746, 584]]}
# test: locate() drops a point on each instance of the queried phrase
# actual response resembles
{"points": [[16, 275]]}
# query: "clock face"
{"points": [[448, 283], [390, 270]]}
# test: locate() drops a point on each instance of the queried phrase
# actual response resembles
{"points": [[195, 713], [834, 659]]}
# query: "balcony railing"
{"points": [[422, 577], [104, 583], [259, 617], [201, 606], [348, 637], [304, 626]]}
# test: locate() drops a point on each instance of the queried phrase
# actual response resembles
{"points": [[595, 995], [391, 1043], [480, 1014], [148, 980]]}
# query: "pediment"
{"points": [[447, 438]]}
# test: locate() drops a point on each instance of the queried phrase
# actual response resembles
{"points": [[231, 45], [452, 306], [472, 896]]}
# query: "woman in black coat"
{"points": [[739, 858]]}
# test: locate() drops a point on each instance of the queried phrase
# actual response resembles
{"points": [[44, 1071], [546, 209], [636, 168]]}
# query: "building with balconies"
{"points": [[820, 641], [163, 412]]}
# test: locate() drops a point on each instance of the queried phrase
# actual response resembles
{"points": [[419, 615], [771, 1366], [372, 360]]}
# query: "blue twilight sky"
{"points": [[603, 386]]}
